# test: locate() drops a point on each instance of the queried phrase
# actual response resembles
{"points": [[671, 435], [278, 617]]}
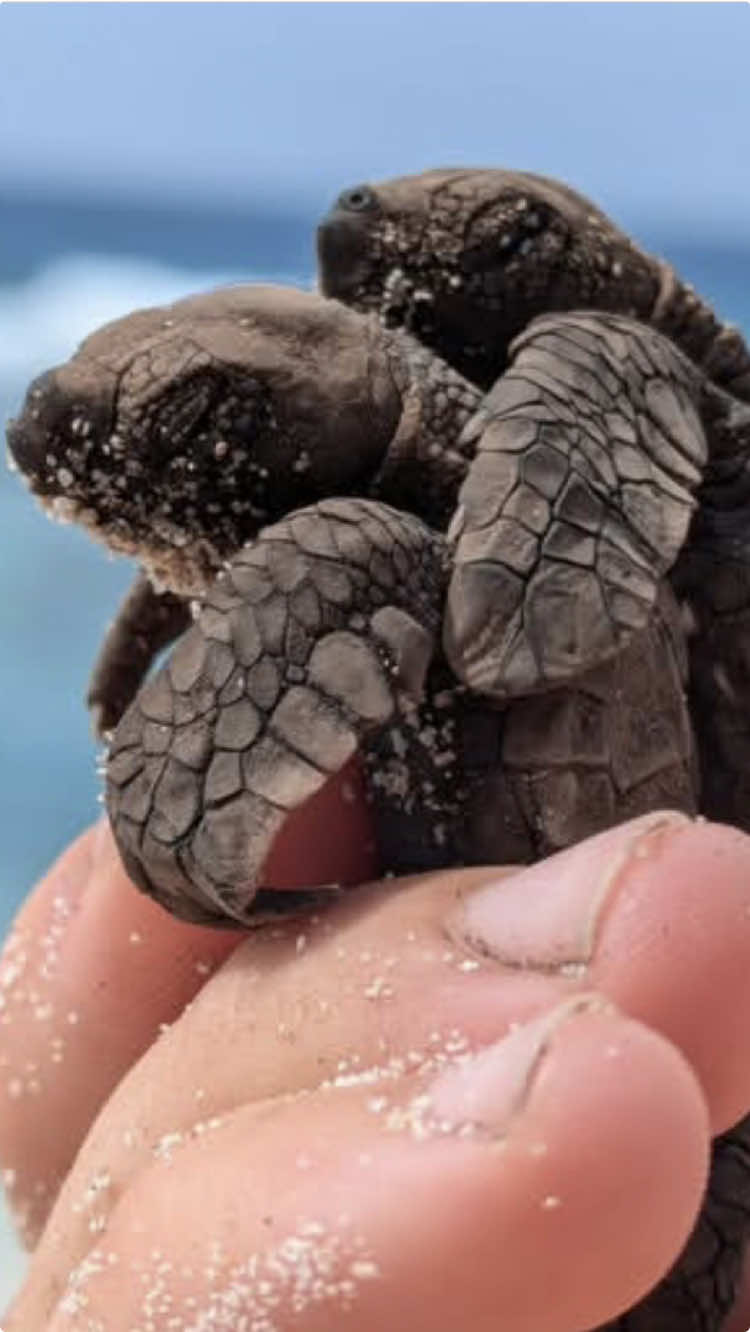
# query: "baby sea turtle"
{"points": [[463, 528], [465, 259], [291, 469]]}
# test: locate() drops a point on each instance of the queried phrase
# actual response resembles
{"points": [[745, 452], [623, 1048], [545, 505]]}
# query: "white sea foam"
{"points": [[44, 318]]}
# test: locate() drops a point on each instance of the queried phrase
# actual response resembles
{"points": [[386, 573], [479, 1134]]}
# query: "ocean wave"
{"points": [[43, 319]]}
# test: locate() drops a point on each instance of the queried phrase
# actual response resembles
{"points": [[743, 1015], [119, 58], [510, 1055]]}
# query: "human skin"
{"points": [[541, 1180]]}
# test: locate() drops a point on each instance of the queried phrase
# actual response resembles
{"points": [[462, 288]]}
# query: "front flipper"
{"points": [[146, 622], [304, 647], [589, 451]]}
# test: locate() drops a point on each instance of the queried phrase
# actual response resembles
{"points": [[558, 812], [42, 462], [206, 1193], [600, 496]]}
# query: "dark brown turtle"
{"points": [[476, 590], [465, 258]]}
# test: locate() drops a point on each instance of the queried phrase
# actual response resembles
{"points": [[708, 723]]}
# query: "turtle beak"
{"points": [[29, 434], [65, 413], [343, 259]]}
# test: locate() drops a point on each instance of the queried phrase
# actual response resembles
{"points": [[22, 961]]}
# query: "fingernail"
{"points": [[547, 917], [490, 1089]]}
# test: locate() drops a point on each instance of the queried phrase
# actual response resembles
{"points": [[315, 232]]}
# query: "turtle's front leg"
{"points": [[146, 622], [588, 454], [313, 639], [700, 1290]]}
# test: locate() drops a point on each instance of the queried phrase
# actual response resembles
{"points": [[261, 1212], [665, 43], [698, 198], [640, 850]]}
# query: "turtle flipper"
{"points": [[146, 622], [697, 1294], [589, 452], [304, 646]]}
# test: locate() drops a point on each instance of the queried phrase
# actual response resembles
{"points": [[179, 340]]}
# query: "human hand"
{"points": [[337, 1131]]}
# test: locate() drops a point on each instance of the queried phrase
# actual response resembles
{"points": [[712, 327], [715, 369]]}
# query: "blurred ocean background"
{"points": [[150, 151]]}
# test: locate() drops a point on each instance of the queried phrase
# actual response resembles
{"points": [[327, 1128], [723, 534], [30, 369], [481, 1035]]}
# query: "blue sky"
{"points": [[645, 106]]}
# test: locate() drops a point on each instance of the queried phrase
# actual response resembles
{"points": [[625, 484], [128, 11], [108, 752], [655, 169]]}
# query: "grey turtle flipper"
{"points": [[302, 648], [146, 622], [589, 452], [699, 1291]]}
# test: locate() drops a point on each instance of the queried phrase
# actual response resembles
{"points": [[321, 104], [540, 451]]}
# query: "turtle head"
{"points": [[465, 258], [175, 434]]}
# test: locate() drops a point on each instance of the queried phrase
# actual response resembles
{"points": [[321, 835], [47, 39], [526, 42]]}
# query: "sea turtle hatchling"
{"points": [[377, 556], [465, 259]]}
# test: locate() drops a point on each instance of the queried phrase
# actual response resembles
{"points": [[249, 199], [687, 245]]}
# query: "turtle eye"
{"points": [[358, 199]]}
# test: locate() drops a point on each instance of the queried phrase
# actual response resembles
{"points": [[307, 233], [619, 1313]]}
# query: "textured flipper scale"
{"points": [[303, 647], [589, 453]]}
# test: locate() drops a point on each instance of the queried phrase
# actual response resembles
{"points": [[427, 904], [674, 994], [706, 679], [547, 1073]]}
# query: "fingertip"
{"points": [[94, 969], [90, 972], [597, 1171], [672, 950], [655, 913]]}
